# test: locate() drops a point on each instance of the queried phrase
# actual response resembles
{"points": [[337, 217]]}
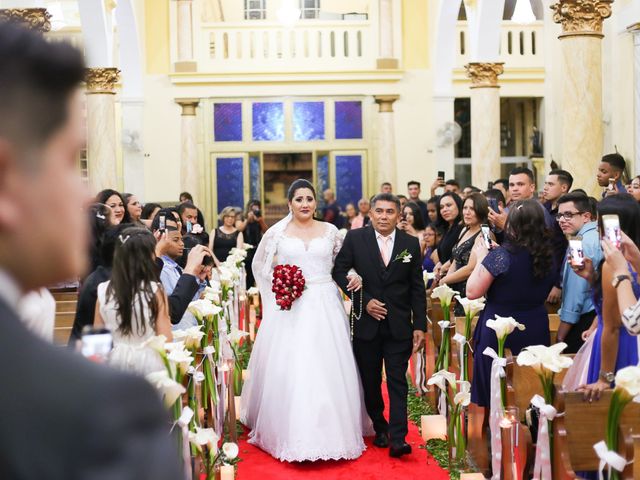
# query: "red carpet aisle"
{"points": [[374, 464]]}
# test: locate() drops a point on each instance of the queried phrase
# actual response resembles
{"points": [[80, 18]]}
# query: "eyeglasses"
{"points": [[567, 215]]}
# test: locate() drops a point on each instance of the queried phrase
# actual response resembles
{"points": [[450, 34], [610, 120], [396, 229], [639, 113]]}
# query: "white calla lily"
{"points": [[503, 326], [236, 335], [628, 378], [191, 336], [253, 291], [168, 387], [463, 397], [441, 378], [230, 450], [202, 309], [204, 437], [541, 357], [471, 307], [156, 343], [444, 293], [181, 358]]}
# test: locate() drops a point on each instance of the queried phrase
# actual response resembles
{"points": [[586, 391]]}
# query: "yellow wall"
{"points": [[415, 34], [157, 36]]}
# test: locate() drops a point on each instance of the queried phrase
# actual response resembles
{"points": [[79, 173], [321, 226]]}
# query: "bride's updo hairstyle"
{"points": [[297, 185]]}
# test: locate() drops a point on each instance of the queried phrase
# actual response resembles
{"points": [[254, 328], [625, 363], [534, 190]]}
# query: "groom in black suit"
{"points": [[393, 321]]}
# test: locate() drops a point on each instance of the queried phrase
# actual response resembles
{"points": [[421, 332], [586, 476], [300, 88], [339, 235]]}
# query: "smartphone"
{"points": [[162, 223], [96, 343], [489, 185], [611, 225], [612, 185], [493, 204], [486, 234], [441, 174], [207, 261], [189, 226], [576, 251]]}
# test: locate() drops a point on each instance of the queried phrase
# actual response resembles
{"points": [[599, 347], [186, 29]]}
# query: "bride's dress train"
{"points": [[303, 399]]}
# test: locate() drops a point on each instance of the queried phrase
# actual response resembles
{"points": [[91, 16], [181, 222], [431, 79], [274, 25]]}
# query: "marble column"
{"points": [[385, 13], [443, 117], [189, 168], [580, 44], [635, 30], [386, 170], [185, 61], [485, 122], [34, 18], [101, 128]]}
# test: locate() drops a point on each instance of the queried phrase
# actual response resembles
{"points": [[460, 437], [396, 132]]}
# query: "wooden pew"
{"points": [[554, 323], [582, 425], [66, 304]]}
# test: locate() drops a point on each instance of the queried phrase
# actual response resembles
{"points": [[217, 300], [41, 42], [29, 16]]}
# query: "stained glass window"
{"points": [[227, 122], [322, 171], [348, 116], [230, 179], [254, 178], [308, 121], [348, 179], [268, 121]]}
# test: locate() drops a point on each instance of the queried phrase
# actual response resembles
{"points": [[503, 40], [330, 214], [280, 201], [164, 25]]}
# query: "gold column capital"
{"points": [[102, 79], [188, 105], [581, 17], [484, 75], [37, 19], [385, 102]]}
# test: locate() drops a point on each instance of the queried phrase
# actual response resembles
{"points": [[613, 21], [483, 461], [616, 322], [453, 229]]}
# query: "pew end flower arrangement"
{"points": [[471, 309], [503, 326], [627, 389], [445, 294], [546, 362]]}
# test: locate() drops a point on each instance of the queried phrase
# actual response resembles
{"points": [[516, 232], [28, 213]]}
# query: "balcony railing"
{"points": [[310, 46], [521, 46]]}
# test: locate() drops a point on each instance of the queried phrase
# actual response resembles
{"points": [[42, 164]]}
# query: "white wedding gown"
{"points": [[303, 399]]}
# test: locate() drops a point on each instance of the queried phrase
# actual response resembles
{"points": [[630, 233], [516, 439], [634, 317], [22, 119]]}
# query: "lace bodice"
{"points": [[315, 258]]}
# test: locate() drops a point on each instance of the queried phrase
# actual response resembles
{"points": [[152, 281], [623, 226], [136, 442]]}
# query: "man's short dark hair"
{"points": [[37, 80], [186, 206], [413, 182], [504, 181], [453, 182], [400, 197], [564, 177], [523, 170], [385, 197], [169, 213], [615, 160], [473, 189], [384, 184], [495, 194], [581, 201], [186, 195]]}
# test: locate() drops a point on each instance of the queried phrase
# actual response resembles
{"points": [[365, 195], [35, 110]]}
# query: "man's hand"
{"points": [[437, 183], [584, 270], [418, 340], [194, 262], [498, 219], [376, 309], [161, 241], [554, 295]]}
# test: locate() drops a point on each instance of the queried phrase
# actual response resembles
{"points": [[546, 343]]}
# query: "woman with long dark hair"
{"points": [[100, 219], [115, 201], [133, 304], [450, 221], [515, 278], [412, 223], [134, 209]]}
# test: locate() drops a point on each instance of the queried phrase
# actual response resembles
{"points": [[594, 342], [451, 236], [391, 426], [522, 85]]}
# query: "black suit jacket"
{"points": [[399, 285], [65, 418]]}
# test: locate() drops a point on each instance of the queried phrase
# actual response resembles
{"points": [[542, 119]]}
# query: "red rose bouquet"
{"points": [[288, 284]]}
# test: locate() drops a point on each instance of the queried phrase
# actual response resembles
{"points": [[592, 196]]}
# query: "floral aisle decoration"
{"points": [[458, 395], [445, 294], [471, 309], [235, 340], [627, 389], [503, 326], [546, 362]]}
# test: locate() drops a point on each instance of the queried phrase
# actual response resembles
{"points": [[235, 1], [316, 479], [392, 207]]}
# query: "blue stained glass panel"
{"points": [[348, 179], [348, 120], [227, 122], [230, 178], [322, 171], [254, 178], [268, 121], [308, 121]]}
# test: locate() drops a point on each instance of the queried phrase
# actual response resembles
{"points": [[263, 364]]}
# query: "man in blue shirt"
{"points": [[576, 217]]}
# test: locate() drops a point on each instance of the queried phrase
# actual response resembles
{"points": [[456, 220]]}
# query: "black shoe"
{"points": [[381, 440], [396, 451]]}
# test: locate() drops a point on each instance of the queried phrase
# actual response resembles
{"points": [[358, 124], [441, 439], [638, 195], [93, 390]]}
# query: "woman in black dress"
{"points": [[474, 213], [225, 237], [449, 220]]}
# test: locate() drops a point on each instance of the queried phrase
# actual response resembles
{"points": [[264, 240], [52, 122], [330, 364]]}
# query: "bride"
{"points": [[303, 399]]}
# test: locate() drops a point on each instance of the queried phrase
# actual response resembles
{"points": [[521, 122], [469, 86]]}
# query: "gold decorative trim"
{"points": [[385, 102], [189, 106], [102, 80], [484, 75], [37, 19], [581, 17]]}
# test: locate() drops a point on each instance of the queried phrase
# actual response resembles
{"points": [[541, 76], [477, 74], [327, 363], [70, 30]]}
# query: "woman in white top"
{"points": [[133, 304]]}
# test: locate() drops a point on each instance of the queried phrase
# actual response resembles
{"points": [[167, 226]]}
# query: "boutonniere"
{"points": [[404, 255]]}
